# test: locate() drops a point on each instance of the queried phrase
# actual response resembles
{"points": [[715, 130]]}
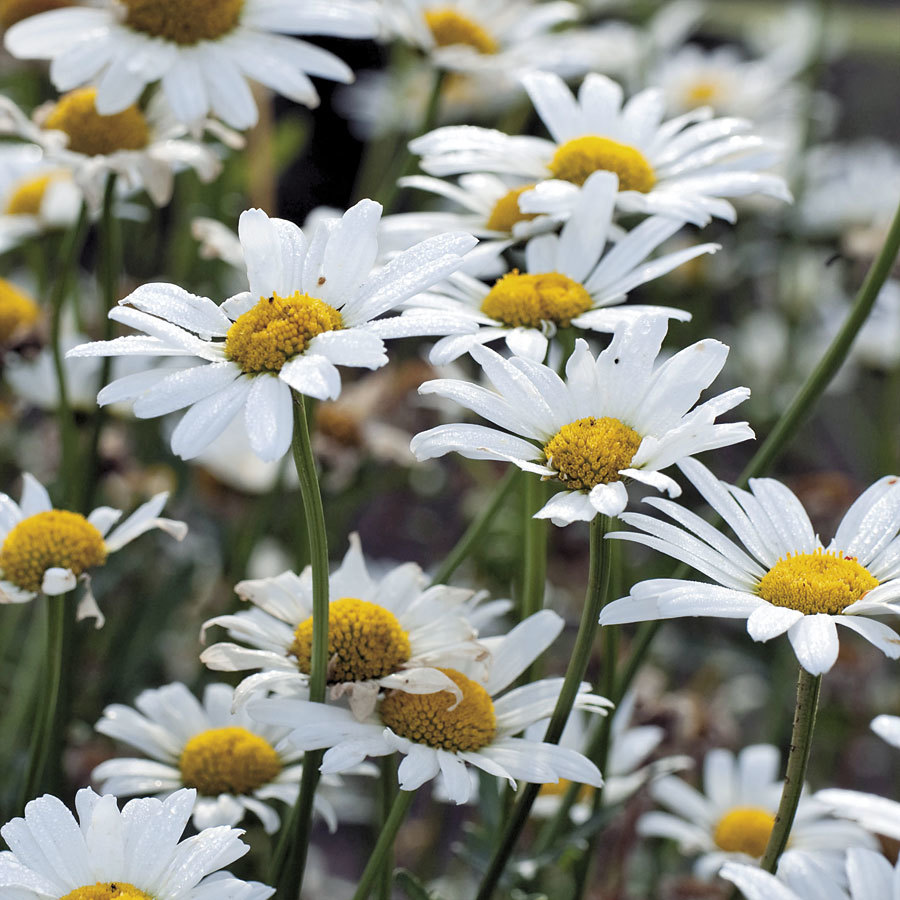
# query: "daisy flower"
{"points": [[787, 581], [35, 196], [614, 418], [571, 279], [12, 11], [682, 167], [19, 314], [134, 853], [200, 50], [442, 731], [235, 764], [733, 817], [47, 550], [309, 308], [143, 149], [391, 632]]}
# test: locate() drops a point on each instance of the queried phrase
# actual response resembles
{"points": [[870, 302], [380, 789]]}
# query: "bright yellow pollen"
{"points": [[579, 158], [428, 718], [337, 424], [264, 338], [18, 312], [530, 300], [228, 761], [506, 212], [745, 829], [107, 890], [364, 641], [450, 27], [591, 451], [12, 11], [183, 21], [90, 133], [820, 582], [55, 538], [28, 195]]}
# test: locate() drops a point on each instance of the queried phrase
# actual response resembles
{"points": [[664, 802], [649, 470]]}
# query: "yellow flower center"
{"points": [[107, 890], [579, 158], [55, 538], [701, 93], [18, 312], [364, 641], [340, 426], [449, 27], [745, 829], [530, 300], [428, 718], [183, 21], [228, 761], [591, 451], [12, 11], [90, 133], [820, 582], [28, 195], [264, 338], [506, 212], [585, 791]]}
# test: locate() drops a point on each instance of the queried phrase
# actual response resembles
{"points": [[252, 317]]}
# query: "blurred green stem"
{"points": [[387, 792], [534, 548], [399, 809]]}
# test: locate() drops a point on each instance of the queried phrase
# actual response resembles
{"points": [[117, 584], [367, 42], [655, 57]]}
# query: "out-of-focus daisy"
{"points": [[47, 550], [19, 314], [309, 308], [145, 150], [869, 875], [614, 418], [733, 817], [888, 728], [35, 196], [200, 50], [392, 632], [235, 764], [12, 11], [683, 167], [135, 853], [571, 279], [788, 581], [440, 732]]}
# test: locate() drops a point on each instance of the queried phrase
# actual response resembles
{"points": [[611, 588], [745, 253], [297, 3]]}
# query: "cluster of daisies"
{"points": [[522, 277]]}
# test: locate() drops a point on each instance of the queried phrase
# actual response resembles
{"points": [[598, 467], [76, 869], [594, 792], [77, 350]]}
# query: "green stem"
{"points": [[478, 528], [801, 741], [595, 599], [534, 549], [834, 356], [387, 792], [399, 809]]}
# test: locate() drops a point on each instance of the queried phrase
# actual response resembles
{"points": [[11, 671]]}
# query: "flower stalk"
{"points": [[380, 855]]}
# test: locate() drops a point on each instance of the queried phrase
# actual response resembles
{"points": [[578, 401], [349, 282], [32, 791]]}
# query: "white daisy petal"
{"points": [[815, 641]]}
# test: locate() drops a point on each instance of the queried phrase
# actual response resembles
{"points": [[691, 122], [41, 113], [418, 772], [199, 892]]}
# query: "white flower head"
{"points": [[236, 765], [310, 307], [682, 167], [441, 732], [47, 550], [733, 817], [615, 417], [570, 279], [134, 852], [393, 632], [786, 580], [202, 51]]}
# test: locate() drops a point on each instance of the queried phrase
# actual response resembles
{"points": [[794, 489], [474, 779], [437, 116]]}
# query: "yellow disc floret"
{"points": [[820, 582], [506, 212], [18, 312], [333, 421], [432, 719], [365, 641], [702, 93], [183, 21], [529, 300], [46, 540], [591, 451], [12, 11], [264, 338], [228, 761], [107, 890], [448, 27], [745, 829], [90, 133], [27, 196], [579, 158]]}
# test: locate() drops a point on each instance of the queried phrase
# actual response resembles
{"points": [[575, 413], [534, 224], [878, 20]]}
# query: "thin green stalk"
{"points": [[399, 809], [801, 742], [595, 599], [387, 793], [534, 549], [289, 860], [478, 528]]}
